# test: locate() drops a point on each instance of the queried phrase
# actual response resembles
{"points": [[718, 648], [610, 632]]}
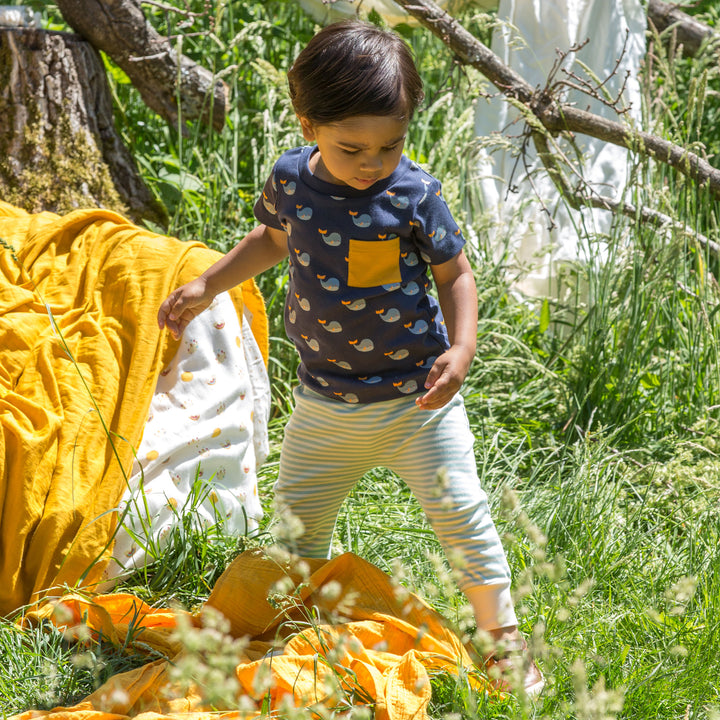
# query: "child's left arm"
{"points": [[458, 301]]}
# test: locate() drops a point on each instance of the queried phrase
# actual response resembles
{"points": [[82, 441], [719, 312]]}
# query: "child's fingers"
{"points": [[429, 399], [442, 382], [174, 328], [165, 311], [425, 402], [180, 302], [435, 398], [177, 328], [170, 314], [435, 372]]}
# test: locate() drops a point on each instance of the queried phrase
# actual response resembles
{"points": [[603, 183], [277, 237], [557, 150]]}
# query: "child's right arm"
{"points": [[262, 248]]}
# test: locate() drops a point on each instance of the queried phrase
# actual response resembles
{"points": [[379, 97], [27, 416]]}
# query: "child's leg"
{"points": [[428, 442], [440, 440], [322, 458]]}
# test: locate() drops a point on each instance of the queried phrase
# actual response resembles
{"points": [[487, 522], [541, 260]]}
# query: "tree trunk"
{"points": [[171, 84], [58, 146]]}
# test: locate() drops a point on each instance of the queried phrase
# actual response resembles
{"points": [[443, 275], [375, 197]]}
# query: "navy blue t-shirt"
{"points": [[357, 307]]}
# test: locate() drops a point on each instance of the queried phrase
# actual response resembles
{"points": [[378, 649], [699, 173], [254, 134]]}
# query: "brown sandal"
{"points": [[513, 667]]}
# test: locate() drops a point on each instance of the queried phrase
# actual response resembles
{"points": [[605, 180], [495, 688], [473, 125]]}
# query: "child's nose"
{"points": [[372, 162]]}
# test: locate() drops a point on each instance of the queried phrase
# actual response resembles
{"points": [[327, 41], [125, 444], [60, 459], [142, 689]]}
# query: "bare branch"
{"points": [[583, 196], [555, 116], [172, 9]]}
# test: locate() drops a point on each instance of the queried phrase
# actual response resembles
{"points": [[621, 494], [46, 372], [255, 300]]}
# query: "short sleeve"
{"points": [[437, 235], [266, 210]]}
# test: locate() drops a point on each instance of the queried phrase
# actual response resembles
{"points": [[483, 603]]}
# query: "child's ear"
{"points": [[307, 128]]}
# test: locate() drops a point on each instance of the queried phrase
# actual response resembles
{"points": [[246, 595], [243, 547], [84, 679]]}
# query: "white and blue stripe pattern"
{"points": [[330, 445]]}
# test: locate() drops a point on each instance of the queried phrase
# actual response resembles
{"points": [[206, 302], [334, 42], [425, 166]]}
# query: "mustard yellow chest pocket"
{"points": [[374, 262]]}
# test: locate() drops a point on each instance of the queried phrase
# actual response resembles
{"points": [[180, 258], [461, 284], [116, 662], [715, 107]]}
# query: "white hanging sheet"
{"points": [[531, 34]]}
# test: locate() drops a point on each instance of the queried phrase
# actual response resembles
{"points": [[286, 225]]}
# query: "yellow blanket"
{"points": [[354, 638], [80, 354]]}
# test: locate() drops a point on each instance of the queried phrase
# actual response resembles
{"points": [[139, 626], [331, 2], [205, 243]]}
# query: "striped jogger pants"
{"points": [[329, 445]]}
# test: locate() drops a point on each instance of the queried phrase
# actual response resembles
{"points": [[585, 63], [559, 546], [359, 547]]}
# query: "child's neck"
{"points": [[318, 169]]}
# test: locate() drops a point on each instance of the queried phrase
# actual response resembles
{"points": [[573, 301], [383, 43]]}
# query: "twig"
{"points": [[171, 8], [577, 199], [555, 116]]}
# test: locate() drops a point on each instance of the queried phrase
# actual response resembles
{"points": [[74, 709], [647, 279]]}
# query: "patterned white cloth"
{"points": [[205, 436]]}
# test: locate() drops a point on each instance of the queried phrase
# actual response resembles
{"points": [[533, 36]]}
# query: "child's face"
{"points": [[357, 151]]}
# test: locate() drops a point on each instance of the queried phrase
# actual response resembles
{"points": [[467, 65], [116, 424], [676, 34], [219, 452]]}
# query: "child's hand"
{"points": [[182, 305], [445, 378]]}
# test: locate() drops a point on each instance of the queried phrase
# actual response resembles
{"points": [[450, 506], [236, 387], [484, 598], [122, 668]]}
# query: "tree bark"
{"points": [[58, 146], [689, 32], [171, 84], [550, 113]]}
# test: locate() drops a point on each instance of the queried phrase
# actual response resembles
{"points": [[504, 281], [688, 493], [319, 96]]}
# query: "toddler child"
{"points": [[381, 361]]}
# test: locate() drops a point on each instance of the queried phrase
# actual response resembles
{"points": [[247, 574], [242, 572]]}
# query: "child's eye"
{"points": [[390, 148], [350, 152]]}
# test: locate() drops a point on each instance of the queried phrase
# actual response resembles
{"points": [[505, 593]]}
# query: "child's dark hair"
{"points": [[354, 68]]}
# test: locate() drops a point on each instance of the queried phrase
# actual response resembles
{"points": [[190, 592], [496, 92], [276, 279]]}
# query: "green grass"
{"points": [[597, 418], [42, 669]]}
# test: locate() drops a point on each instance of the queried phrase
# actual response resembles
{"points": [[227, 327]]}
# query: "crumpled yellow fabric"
{"points": [[353, 637], [80, 353]]}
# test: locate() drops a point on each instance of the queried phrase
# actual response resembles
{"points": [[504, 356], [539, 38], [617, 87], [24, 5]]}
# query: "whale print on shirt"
{"points": [[340, 363], [362, 221], [304, 213], [302, 258], [406, 387], [348, 397], [438, 234], [332, 239], [288, 187], [389, 316], [417, 328], [312, 343], [398, 201], [412, 288], [426, 183], [333, 326], [330, 284], [364, 345], [410, 259], [268, 205], [398, 354], [427, 363]]}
